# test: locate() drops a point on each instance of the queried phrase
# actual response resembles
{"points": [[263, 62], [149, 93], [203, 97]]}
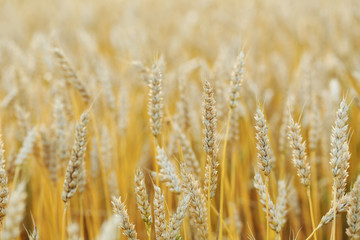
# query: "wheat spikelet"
{"points": [[285, 122], [15, 215], [263, 145], [142, 198], [341, 206], [73, 170], [82, 178], [197, 206], [155, 99], [70, 74], [353, 212], [190, 160], [178, 217], [209, 121], [340, 154], [299, 156], [282, 202], [159, 215], [27, 147], [59, 154], [119, 209], [274, 218], [210, 143], [4, 191], [167, 171], [236, 80]]}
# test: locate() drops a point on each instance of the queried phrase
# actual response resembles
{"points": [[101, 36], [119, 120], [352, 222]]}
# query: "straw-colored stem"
{"points": [[315, 186], [81, 217], [226, 227], [208, 206], [148, 231], [334, 221], [278, 236], [317, 228], [267, 207], [308, 192], [223, 176], [63, 222]]}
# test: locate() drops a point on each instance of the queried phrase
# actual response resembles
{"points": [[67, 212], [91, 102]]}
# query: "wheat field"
{"points": [[169, 120]]}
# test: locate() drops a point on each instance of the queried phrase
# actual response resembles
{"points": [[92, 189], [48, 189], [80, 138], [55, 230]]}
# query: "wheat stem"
{"points": [[267, 207], [308, 193], [313, 232]]}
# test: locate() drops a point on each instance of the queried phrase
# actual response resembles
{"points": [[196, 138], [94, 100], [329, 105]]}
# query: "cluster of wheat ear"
{"points": [[170, 120]]}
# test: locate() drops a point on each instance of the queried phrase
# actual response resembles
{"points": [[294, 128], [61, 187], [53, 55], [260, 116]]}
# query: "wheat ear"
{"points": [[353, 212], [142, 199], [119, 209], [74, 167]]}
